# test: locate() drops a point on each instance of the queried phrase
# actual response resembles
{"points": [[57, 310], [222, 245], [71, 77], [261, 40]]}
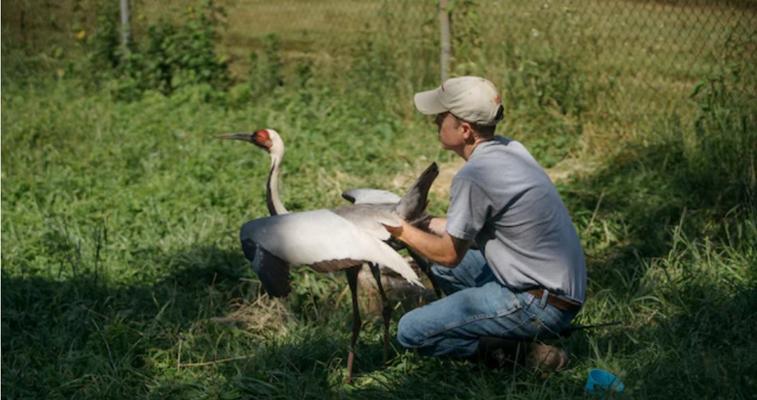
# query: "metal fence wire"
{"points": [[644, 49], [651, 53]]}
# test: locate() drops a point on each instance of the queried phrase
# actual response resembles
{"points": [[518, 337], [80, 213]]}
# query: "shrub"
{"points": [[170, 56]]}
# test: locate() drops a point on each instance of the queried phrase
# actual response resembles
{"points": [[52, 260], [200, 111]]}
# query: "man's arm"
{"points": [[439, 247], [437, 226]]}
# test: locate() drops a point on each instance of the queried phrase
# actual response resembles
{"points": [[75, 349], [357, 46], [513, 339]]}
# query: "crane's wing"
{"points": [[370, 196], [371, 218], [272, 271], [323, 240], [374, 207], [413, 204]]}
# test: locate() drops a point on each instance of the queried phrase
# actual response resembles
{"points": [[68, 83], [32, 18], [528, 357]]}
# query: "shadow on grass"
{"points": [[704, 350], [682, 335], [643, 196], [83, 335]]}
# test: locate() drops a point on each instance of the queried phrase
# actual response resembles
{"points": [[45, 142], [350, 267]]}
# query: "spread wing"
{"points": [[371, 218], [323, 240], [370, 196]]}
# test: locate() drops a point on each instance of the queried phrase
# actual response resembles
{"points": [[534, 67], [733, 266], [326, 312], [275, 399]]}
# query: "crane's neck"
{"points": [[273, 201]]}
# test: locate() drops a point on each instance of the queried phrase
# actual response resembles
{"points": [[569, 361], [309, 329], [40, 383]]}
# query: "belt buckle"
{"points": [[544, 298]]}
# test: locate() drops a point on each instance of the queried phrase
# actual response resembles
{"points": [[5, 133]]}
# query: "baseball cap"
{"points": [[470, 98]]}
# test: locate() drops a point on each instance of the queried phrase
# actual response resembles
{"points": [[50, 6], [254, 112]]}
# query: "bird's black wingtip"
{"points": [[347, 196]]}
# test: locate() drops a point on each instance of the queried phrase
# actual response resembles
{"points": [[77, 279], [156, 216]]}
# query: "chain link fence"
{"points": [[598, 65], [619, 60], [678, 35], [646, 55]]}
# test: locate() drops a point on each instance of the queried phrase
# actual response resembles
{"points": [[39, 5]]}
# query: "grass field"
{"points": [[122, 275]]}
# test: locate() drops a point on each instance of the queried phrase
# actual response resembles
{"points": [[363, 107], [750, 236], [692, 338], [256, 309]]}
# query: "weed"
{"points": [[266, 68], [720, 154]]}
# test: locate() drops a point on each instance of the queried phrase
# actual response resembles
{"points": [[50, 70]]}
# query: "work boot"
{"points": [[544, 357], [496, 352]]}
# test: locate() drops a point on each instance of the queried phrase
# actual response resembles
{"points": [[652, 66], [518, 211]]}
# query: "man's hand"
{"points": [[439, 248], [396, 231]]}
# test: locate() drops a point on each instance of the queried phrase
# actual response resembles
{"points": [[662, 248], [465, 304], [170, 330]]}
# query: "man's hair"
{"points": [[483, 130], [486, 130]]}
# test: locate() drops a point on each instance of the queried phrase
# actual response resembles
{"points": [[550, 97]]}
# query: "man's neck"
{"points": [[470, 148]]}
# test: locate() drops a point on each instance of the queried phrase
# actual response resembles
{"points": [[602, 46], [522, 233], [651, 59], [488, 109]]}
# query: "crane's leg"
{"points": [[356, 323], [426, 268], [386, 311]]}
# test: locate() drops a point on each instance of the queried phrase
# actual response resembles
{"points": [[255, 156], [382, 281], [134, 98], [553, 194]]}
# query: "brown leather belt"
{"points": [[560, 303]]}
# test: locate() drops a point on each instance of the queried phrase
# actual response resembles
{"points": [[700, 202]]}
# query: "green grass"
{"points": [[122, 275]]}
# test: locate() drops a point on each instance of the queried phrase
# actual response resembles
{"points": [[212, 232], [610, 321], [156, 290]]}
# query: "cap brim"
{"points": [[428, 102]]}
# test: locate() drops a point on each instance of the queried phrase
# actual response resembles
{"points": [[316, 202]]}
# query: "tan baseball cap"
{"points": [[470, 98]]}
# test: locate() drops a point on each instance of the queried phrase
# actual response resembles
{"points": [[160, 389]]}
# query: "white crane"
{"points": [[329, 239]]}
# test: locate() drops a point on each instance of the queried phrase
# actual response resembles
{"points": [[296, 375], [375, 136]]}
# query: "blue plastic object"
{"points": [[603, 383]]}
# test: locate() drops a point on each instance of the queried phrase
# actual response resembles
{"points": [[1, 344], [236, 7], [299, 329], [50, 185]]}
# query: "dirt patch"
{"points": [[570, 168]]}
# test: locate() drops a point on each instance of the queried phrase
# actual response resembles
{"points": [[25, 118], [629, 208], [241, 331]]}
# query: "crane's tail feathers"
{"points": [[414, 202], [394, 261]]}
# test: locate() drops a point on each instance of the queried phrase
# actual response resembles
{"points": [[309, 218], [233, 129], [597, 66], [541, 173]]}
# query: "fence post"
{"points": [[446, 49], [125, 25]]}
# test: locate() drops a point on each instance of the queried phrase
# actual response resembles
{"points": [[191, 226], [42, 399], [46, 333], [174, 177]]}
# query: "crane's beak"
{"points": [[255, 138], [247, 137]]}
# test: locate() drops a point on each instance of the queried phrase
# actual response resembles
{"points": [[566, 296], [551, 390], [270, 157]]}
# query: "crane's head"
{"points": [[267, 139]]}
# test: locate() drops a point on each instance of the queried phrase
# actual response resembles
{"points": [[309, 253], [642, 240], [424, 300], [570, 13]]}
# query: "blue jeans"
{"points": [[476, 305]]}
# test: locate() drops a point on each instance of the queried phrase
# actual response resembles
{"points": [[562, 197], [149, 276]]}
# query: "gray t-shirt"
{"points": [[503, 199]]}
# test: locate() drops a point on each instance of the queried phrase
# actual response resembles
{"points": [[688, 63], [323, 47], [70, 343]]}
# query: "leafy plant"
{"points": [[721, 152], [169, 57], [545, 96], [105, 51], [266, 67], [467, 43]]}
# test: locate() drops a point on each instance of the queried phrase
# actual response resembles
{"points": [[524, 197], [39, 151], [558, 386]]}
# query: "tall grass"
{"points": [[122, 274]]}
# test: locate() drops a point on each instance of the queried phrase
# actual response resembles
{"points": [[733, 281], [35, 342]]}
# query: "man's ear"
{"points": [[468, 133]]}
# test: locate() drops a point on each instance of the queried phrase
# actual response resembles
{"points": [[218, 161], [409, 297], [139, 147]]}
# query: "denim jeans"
{"points": [[476, 305]]}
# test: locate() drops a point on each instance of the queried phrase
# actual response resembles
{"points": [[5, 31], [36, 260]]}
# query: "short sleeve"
{"points": [[469, 207]]}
